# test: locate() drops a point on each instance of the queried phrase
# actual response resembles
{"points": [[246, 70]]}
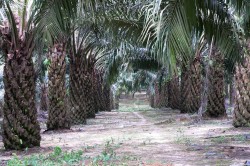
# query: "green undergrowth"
{"points": [[107, 157], [134, 108], [181, 138], [56, 158], [230, 138]]}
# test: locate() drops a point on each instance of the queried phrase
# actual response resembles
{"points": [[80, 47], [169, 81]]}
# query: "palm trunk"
{"points": [[77, 106], [191, 88], [242, 97], [1, 111], [116, 102], [112, 101], [215, 103], [185, 90], [58, 114], [82, 84], [97, 90], [232, 93], [102, 93], [106, 98], [157, 95], [152, 100], [20, 126], [89, 94], [165, 95], [161, 95], [174, 93], [44, 97], [196, 85]]}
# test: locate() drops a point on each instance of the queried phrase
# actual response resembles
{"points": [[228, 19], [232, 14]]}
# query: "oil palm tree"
{"points": [[55, 24], [216, 99], [58, 113], [242, 97], [241, 110], [18, 31], [82, 67], [191, 79], [171, 24]]}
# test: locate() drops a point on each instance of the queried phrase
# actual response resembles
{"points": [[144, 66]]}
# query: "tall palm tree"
{"points": [[20, 126]]}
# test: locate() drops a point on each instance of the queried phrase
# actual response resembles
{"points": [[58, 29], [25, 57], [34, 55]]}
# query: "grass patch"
{"points": [[229, 138], [56, 158], [134, 108], [220, 139], [181, 138], [240, 138]]}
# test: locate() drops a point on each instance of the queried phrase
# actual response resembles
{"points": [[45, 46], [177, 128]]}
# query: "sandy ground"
{"points": [[158, 137]]}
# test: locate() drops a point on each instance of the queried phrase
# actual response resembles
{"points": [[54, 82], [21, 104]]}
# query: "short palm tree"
{"points": [[58, 113], [215, 103], [18, 31], [82, 67], [55, 25], [242, 106]]}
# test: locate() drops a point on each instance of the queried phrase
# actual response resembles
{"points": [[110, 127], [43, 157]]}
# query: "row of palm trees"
{"points": [[97, 38], [27, 26], [223, 28]]}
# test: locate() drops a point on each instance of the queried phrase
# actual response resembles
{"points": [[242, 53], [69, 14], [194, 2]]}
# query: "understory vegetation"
{"points": [[60, 157]]}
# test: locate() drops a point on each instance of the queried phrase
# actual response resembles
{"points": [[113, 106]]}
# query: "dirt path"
{"points": [[150, 137], [153, 137]]}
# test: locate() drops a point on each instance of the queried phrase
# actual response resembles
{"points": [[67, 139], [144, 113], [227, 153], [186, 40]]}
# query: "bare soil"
{"points": [[152, 137]]}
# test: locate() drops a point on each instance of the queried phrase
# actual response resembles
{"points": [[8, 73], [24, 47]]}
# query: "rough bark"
{"points": [[58, 113], [97, 90], [185, 90], [82, 90], [1, 108], [242, 97], [196, 85], [117, 100], [191, 87], [106, 98], [161, 95], [112, 101], [77, 111], [215, 103], [89, 95], [152, 100], [20, 126], [174, 93], [157, 95], [44, 97], [164, 95], [102, 93]]}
